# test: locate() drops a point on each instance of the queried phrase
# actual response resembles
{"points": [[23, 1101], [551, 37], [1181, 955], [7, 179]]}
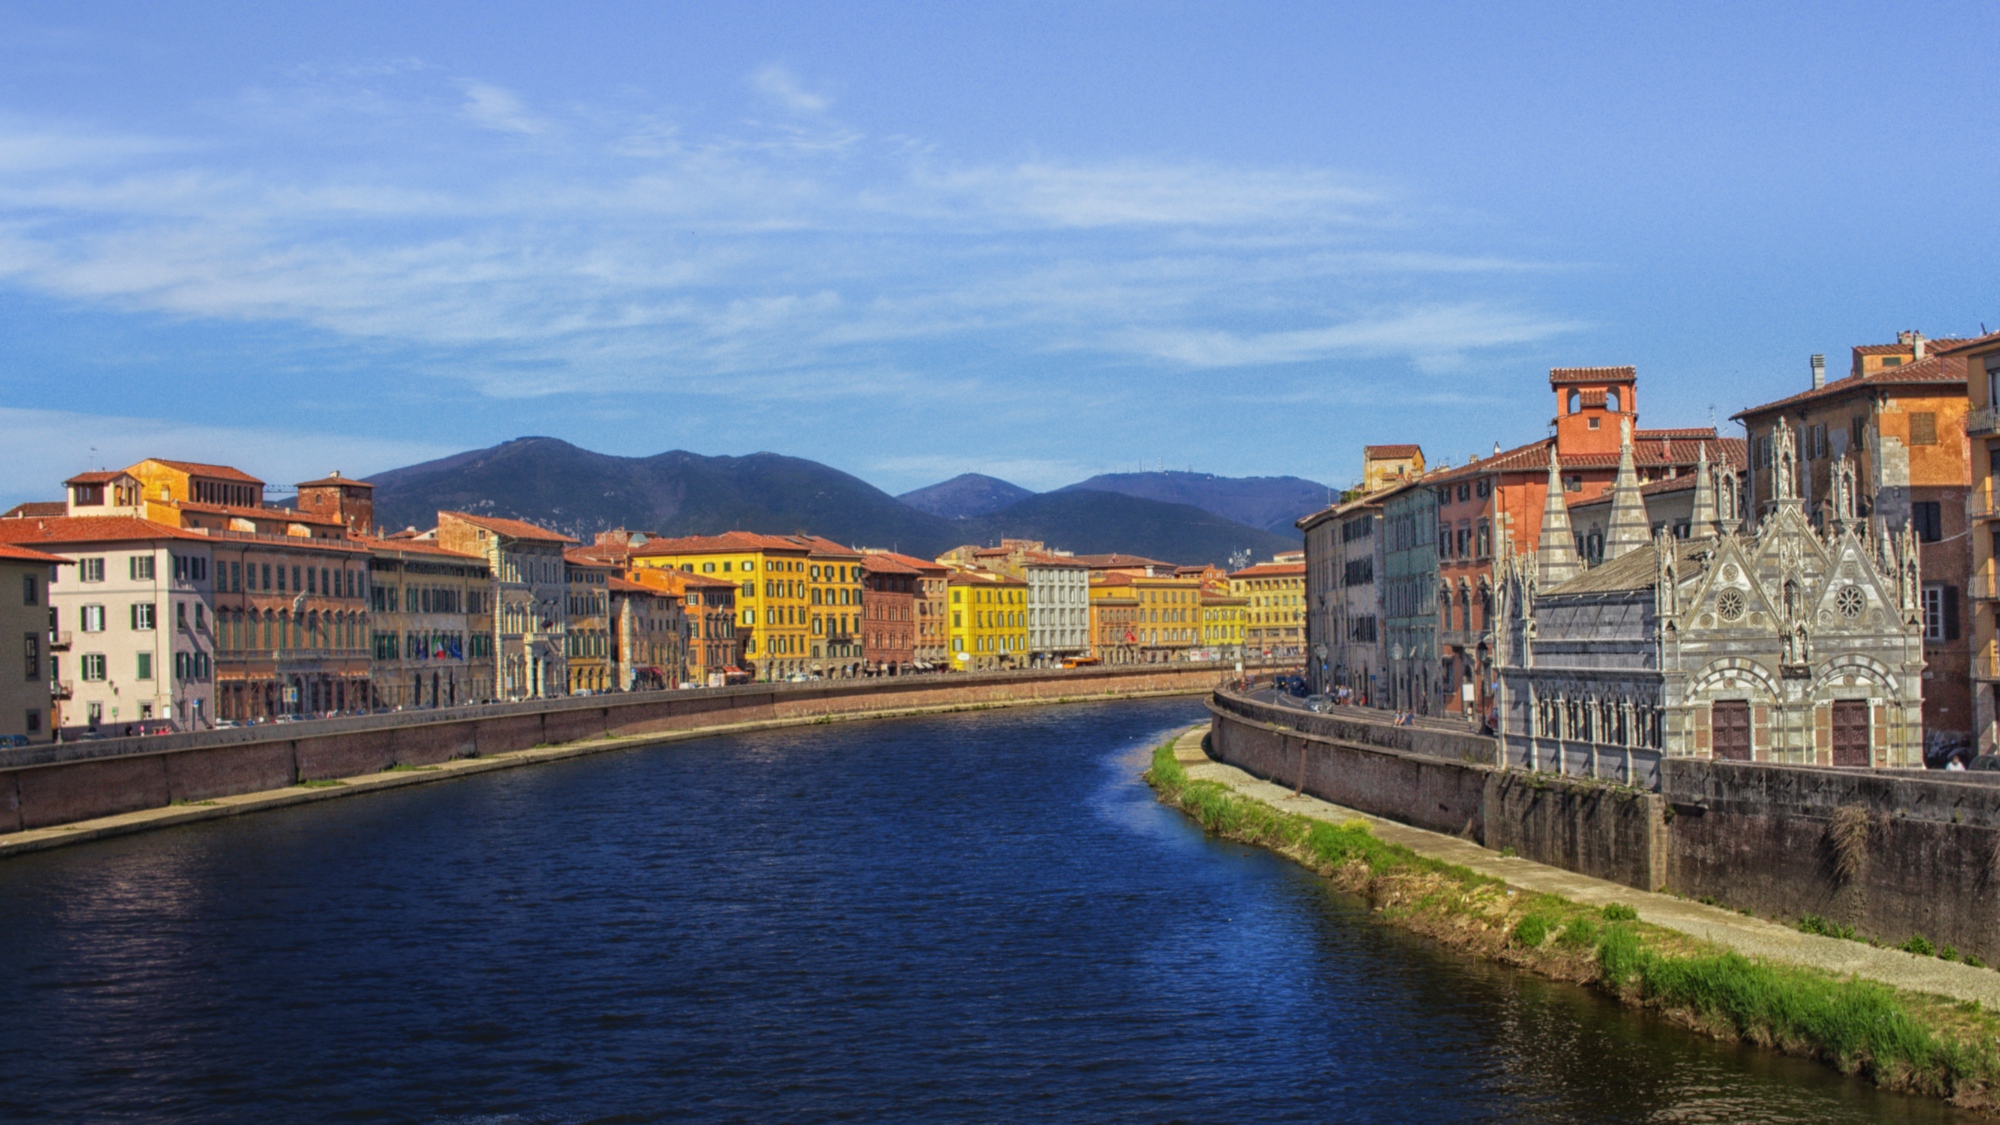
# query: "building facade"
{"points": [[1277, 593], [430, 617], [591, 635], [649, 636], [130, 627], [1114, 619], [988, 618], [888, 615], [530, 603], [1897, 425], [773, 605], [1787, 644], [1981, 359], [1409, 590], [25, 701]]}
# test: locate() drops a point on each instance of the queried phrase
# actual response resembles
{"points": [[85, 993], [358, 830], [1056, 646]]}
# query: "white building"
{"points": [[132, 640], [1058, 608]]}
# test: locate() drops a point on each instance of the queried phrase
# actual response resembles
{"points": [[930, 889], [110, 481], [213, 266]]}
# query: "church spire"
{"points": [[1629, 529], [1555, 555], [1702, 522]]}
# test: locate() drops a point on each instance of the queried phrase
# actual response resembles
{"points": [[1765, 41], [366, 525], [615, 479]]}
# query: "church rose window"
{"points": [[1729, 605], [1850, 602]]}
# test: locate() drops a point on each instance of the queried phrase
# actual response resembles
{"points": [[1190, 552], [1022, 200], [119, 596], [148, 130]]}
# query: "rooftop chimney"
{"points": [[1819, 371], [1917, 343]]}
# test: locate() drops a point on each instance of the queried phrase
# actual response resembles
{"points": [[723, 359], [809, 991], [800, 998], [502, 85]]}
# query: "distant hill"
{"points": [[1271, 503], [578, 492], [964, 496], [1095, 523]]}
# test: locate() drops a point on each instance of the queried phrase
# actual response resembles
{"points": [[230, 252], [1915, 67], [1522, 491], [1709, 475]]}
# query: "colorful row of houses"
{"points": [[171, 595], [1404, 575]]}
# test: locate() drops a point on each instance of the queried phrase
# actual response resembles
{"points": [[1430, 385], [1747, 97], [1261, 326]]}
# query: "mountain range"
{"points": [[580, 492]]}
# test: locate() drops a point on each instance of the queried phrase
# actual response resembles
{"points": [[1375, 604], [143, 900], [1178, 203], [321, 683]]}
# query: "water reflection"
{"points": [[979, 917]]}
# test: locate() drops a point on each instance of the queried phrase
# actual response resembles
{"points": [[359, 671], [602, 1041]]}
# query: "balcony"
{"points": [[61, 689], [1983, 587], [1983, 502], [1983, 421], [59, 640]]}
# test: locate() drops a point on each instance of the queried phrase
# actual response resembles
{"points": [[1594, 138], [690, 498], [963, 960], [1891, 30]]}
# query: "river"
{"points": [[977, 917]]}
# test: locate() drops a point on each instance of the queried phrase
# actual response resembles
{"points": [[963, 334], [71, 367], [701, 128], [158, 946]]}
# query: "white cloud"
{"points": [[784, 89], [636, 251], [45, 447], [491, 107]]}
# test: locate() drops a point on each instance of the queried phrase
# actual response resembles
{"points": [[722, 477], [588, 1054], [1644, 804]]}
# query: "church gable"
{"points": [[1727, 596], [1855, 597]]}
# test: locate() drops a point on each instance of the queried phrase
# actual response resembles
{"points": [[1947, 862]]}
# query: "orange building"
{"points": [[1898, 424], [1500, 499]]}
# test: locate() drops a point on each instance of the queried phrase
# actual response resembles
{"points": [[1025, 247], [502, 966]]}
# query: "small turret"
{"points": [[1702, 521], [1629, 528]]}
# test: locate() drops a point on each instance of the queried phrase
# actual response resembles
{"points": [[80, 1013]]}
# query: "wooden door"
{"points": [[1729, 729], [1850, 733]]}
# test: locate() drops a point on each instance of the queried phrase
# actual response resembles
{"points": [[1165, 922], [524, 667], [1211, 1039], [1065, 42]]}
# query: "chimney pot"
{"points": [[1818, 371]]}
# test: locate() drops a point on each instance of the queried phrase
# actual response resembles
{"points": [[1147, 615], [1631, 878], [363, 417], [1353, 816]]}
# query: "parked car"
{"points": [[1985, 762]]}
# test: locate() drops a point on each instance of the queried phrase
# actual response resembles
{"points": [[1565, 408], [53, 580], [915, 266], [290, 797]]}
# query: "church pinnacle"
{"points": [[1704, 517], [1629, 529], [1555, 554]]}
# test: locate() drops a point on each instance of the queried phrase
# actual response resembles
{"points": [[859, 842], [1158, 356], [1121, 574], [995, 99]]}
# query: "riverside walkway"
{"points": [[1750, 936]]}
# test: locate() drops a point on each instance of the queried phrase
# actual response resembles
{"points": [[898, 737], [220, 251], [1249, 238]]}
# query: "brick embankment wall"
{"points": [[62, 784], [1924, 859]]}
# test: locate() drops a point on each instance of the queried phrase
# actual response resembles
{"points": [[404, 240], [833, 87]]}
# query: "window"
{"points": [[1940, 613], [142, 615], [1857, 431], [1573, 484], [142, 567], [145, 669], [1575, 401], [30, 590], [34, 719], [1927, 517], [91, 619], [90, 570], [295, 580], [1923, 428], [1611, 400], [33, 646], [92, 666], [1485, 488]]}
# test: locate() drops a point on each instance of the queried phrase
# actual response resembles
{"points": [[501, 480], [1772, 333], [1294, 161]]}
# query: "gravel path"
{"points": [[1750, 936]]}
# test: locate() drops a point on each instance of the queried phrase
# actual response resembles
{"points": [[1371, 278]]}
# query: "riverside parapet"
{"points": [[48, 786]]}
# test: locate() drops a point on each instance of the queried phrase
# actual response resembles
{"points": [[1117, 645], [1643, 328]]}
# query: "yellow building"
{"points": [[1277, 596], [587, 643], [833, 577], [988, 615], [1224, 622], [1169, 625], [1114, 619], [773, 591]]}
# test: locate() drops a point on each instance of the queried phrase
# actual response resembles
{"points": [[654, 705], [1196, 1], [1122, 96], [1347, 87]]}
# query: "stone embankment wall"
{"points": [[50, 785], [1890, 853]]}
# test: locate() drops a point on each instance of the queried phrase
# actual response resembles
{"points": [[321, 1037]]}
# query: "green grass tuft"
{"points": [[1582, 931], [1619, 912], [1814, 924], [1918, 944], [1533, 929]]}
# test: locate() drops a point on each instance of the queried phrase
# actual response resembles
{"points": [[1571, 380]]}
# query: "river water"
{"points": [[978, 917]]}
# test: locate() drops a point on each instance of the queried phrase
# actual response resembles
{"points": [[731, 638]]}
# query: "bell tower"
{"points": [[1593, 407]]}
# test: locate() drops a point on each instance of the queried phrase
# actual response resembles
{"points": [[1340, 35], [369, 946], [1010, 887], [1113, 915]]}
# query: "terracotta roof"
{"points": [[1098, 562], [23, 554], [719, 544], [325, 482], [100, 477], [512, 529], [1372, 451], [581, 556], [921, 566], [820, 545], [196, 468], [36, 509], [416, 547], [1683, 483], [1269, 570], [627, 586], [1562, 376], [1932, 370], [969, 574], [289, 515], [1112, 580], [887, 564], [89, 529], [1648, 450], [1955, 346]]}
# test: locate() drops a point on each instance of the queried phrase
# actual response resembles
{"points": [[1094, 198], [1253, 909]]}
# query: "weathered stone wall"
{"points": [[1420, 789], [1763, 837], [1755, 836], [60, 784]]}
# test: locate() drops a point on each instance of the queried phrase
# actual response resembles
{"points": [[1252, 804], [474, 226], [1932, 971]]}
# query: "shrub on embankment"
{"points": [[1900, 1040]]}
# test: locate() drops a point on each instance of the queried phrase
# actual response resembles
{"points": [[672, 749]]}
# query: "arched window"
{"points": [[1575, 401], [1611, 400]]}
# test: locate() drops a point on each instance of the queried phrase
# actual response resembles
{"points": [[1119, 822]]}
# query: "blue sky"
{"points": [[1035, 240]]}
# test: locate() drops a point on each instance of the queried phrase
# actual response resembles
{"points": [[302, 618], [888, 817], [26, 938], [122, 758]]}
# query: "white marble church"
{"points": [[1783, 643]]}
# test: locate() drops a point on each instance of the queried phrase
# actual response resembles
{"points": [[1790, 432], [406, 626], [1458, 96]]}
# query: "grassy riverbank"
{"points": [[1900, 1040]]}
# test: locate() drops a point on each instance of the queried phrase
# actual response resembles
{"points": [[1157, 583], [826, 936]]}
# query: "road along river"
{"points": [[973, 917]]}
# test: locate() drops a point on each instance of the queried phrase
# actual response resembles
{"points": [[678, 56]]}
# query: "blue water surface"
{"points": [[978, 917]]}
